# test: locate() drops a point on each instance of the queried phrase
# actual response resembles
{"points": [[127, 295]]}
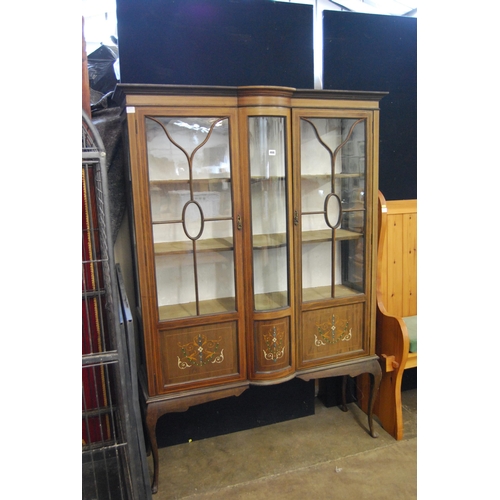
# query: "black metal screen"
{"points": [[113, 461]]}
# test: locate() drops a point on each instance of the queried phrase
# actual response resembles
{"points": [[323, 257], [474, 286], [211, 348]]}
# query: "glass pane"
{"points": [[269, 202], [214, 199], [354, 221], [353, 152], [215, 265], [216, 268], [352, 192], [333, 213], [192, 220], [352, 266], [191, 199], [351, 182], [271, 284], [175, 285], [333, 168], [316, 158], [317, 269], [165, 160], [314, 191], [212, 161], [353, 251], [168, 199]]}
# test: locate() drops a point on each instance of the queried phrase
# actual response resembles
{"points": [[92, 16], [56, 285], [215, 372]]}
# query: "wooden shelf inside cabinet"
{"points": [[262, 241], [220, 244], [349, 176], [183, 247], [255, 180], [214, 306], [326, 177], [325, 292], [263, 301], [271, 300], [184, 182], [326, 235]]}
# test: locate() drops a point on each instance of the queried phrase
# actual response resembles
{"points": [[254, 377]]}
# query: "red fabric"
{"points": [[95, 428]]}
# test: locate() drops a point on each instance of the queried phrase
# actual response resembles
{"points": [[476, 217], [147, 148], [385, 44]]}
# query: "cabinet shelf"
{"points": [[183, 182], [184, 247], [326, 235], [343, 175], [217, 244], [325, 292], [263, 301], [271, 178], [349, 175], [271, 300], [260, 242], [188, 309]]}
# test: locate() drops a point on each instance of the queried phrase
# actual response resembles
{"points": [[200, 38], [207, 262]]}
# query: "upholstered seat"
{"points": [[411, 325]]}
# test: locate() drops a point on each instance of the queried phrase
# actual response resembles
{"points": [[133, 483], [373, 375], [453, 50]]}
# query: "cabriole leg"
{"points": [[375, 378], [151, 419], [343, 406]]}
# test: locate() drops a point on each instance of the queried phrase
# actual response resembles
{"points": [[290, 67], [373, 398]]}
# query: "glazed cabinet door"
{"points": [[187, 200], [265, 149], [334, 190]]}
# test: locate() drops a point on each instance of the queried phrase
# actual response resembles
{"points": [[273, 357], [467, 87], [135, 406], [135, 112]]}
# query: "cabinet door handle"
{"points": [[239, 225], [296, 218]]}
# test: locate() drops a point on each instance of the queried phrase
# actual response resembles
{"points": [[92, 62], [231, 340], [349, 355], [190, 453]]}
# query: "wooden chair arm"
{"points": [[393, 342], [389, 363]]}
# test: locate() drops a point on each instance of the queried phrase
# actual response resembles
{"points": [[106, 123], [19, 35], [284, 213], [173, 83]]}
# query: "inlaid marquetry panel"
{"points": [[272, 345], [331, 332], [195, 354]]}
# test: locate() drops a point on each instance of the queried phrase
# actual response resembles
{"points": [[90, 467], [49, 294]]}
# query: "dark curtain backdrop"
{"points": [[373, 52], [215, 42]]}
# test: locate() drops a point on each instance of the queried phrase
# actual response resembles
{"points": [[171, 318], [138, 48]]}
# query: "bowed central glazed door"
{"points": [[266, 157], [190, 242]]}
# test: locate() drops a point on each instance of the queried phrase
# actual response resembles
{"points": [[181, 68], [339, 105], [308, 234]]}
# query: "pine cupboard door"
{"points": [[334, 179], [187, 199], [266, 156]]}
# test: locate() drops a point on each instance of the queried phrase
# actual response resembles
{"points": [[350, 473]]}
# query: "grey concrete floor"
{"points": [[326, 455]]}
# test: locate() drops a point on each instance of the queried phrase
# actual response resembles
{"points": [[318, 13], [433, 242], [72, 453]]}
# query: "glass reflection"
{"points": [[191, 198], [333, 165], [269, 201]]}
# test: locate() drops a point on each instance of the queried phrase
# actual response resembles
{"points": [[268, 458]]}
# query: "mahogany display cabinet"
{"points": [[254, 236]]}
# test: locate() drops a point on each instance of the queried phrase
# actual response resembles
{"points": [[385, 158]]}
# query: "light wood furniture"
{"points": [[396, 307], [254, 230]]}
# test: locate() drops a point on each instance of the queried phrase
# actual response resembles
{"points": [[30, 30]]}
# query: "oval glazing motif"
{"points": [[333, 211], [192, 220]]}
